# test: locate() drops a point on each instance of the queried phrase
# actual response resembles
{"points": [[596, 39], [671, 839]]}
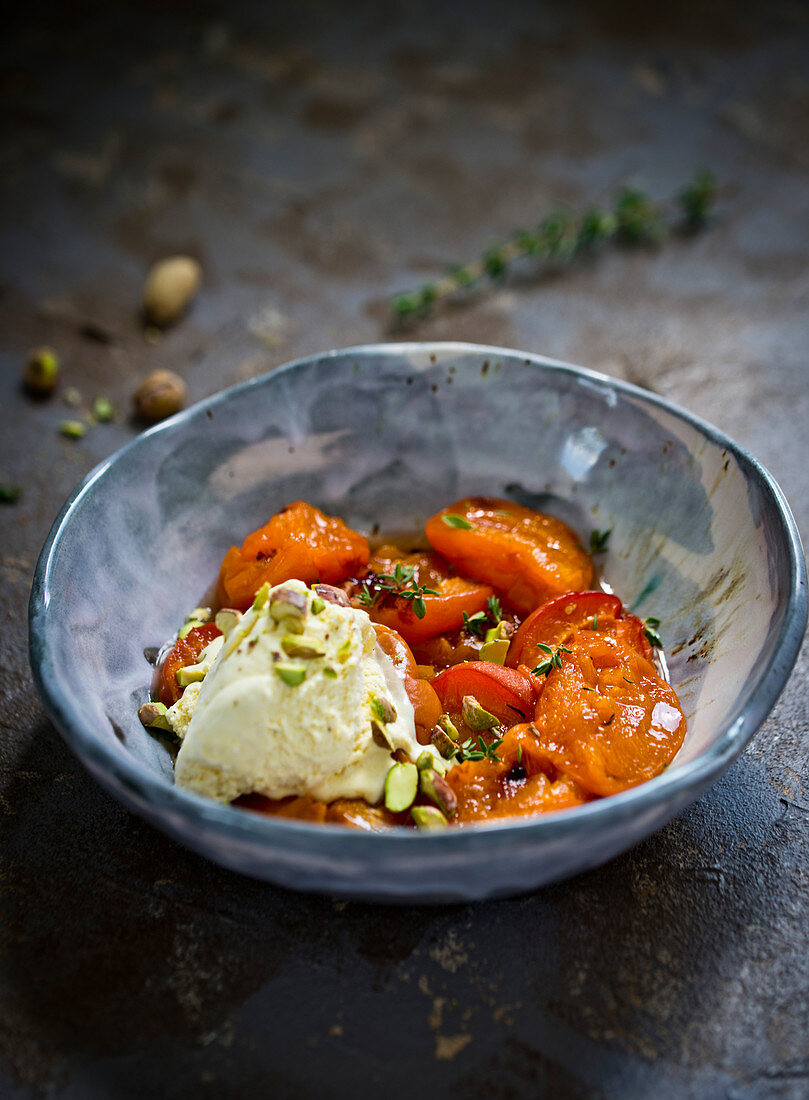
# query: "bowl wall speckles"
{"points": [[701, 538]]}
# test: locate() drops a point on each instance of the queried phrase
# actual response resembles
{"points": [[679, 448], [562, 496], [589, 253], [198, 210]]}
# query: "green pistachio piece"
{"points": [[286, 603], [191, 674], [436, 788], [495, 651], [153, 716], [261, 597], [445, 741], [344, 652], [401, 785], [476, 717], [103, 410], [428, 818], [187, 627], [298, 647], [317, 605], [380, 736], [203, 614], [227, 619], [330, 673], [502, 630], [382, 709], [73, 429], [291, 674], [425, 760]]}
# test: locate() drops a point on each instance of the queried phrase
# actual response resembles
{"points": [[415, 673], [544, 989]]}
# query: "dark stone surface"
{"points": [[317, 160]]}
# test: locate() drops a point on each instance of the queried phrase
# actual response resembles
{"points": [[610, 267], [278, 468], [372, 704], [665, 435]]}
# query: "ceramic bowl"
{"points": [[702, 538]]}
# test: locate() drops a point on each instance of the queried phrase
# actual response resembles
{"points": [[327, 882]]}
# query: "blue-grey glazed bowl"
{"points": [[702, 538]]}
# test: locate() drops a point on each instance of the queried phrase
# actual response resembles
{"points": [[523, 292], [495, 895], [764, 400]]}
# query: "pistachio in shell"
{"points": [[161, 394], [170, 287]]}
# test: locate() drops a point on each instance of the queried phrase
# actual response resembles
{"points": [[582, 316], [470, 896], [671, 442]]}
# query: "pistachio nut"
{"points": [[428, 818], [401, 786], [435, 787], [170, 286], [476, 716], [160, 394], [41, 372]]}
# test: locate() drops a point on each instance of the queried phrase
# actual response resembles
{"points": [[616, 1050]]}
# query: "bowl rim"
{"points": [[123, 773]]}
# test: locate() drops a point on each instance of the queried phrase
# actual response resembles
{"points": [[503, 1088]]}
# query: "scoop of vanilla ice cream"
{"points": [[305, 703]]}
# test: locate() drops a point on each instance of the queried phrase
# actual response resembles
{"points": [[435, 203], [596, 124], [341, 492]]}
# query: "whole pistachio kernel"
{"points": [[428, 818], [401, 787], [41, 372], [476, 716]]}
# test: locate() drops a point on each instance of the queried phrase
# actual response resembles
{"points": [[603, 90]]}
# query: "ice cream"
{"points": [[297, 699]]}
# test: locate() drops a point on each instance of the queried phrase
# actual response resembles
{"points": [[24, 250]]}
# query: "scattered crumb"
{"points": [[448, 1047]]}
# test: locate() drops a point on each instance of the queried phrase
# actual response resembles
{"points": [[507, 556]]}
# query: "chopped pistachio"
{"points": [[291, 674], [73, 429], [425, 760], [191, 674], [330, 594], [344, 652], [436, 788], [495, 651], [103, 410], [448, 726], [381, 736], [317, 605], [503, 630], [204, 614], [286, 603], [227, 619], [296, 647], [476, 716], [443, 742], [428, 818], [330, 673], [261, 597], [401, 787], [153, 716], [187, 627], [382, 709]]}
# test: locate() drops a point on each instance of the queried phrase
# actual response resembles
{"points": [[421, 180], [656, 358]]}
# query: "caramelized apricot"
{"points": [[299, 542], [605, 717], [444, 607], [527, 556]]}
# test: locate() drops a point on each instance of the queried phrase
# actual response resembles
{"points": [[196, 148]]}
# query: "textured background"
{"points": [[317, 160]]}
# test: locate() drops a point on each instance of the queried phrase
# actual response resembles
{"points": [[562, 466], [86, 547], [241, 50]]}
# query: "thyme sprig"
{"points": [[478, 750], [633, 218], [401, 583], [554, 659], [481, 621]]}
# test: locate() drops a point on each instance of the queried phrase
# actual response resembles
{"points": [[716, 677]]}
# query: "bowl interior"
{"points": [[383, 437]]}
